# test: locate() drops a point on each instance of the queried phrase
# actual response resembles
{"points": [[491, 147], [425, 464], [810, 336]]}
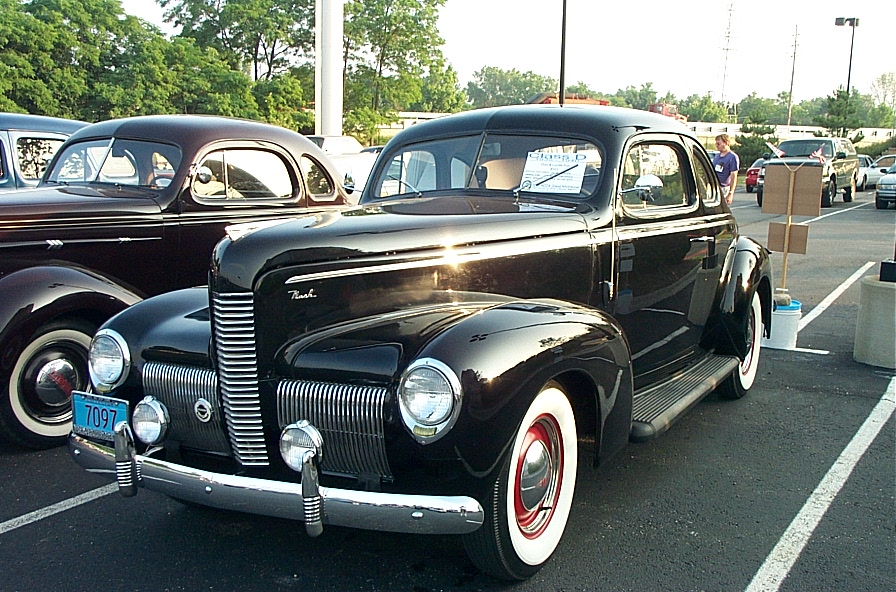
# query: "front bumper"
{"points": [[418, 514]]}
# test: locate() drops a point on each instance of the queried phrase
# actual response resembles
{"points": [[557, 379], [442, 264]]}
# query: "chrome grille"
{"points": [[179, 388], [350, 419], [234, 329]]}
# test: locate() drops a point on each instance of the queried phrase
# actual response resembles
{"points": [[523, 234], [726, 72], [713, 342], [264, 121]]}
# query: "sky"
{"points": [[729, 49]]}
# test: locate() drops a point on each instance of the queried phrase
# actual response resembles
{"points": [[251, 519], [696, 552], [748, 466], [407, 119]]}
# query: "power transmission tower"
{"points": [[727, 49]]}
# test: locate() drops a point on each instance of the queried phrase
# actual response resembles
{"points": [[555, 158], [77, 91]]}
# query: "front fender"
{"points": [[505, 354], [32, 297], [748, 270]]}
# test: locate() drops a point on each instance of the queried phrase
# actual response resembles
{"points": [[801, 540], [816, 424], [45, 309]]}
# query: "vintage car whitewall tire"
{"points": [[36, 420], [525, 521], [741, 380]]}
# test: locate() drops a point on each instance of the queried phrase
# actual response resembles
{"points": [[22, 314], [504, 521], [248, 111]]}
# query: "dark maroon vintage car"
{"points": [[129, 209], [521, 290]]}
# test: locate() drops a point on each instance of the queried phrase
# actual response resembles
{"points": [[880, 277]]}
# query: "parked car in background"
{"points": [[877, 169], [522, 290], [129, 208], [886, 189], [27, 143], [836, 156], [752, 176], [337, 144]]}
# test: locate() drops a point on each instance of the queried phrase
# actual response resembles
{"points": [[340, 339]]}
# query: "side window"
{"points": [[316, 179], [706, 191], [34, 155], [652, 179], [243, 174]]}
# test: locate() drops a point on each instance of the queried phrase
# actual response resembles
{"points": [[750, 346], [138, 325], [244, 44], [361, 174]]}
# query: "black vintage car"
{"points": [[27, 143], [128, 209], [521, 290]]}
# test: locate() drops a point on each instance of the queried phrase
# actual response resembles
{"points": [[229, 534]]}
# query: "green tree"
{"points": [[697, 108], [280, 101], [840, 114], [638, 98], [750, 143], [492, 87], [261, 37], [440, 91], [391, 44]]}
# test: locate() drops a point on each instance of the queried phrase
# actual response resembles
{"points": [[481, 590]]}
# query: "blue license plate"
{"points": [[96, 416]]}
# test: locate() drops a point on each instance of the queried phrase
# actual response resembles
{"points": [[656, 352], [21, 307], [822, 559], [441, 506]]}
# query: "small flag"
{"points": [[817, 154], [777, 151]]}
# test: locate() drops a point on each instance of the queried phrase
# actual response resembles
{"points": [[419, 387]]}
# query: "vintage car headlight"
{"points": [[429, 396], [109, 360], [150, 421]]}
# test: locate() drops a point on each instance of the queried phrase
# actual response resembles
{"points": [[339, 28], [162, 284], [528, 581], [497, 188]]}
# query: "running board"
{"points": [[656, 408]]}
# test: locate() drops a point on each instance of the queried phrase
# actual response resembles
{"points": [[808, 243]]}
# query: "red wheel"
{"points": [[532, 498]]}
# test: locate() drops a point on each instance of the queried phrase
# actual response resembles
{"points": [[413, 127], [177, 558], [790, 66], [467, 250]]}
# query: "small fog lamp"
{"points": [[150, 421], [298, 439]]}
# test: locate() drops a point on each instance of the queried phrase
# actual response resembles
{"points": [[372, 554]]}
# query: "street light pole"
{"points": [[852, 22]]}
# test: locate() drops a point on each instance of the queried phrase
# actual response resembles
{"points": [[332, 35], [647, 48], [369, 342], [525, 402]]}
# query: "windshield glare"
{"points": [[121, 162], [564, 167], [805, 148]]}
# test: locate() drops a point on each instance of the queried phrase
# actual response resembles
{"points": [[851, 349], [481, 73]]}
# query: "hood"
{"points": [[393, 230]]}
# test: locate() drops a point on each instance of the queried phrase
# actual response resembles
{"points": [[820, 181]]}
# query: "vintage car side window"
{"points": [[34, 155], [316, 179], [703, 178], [652, 179], [243, 174]]}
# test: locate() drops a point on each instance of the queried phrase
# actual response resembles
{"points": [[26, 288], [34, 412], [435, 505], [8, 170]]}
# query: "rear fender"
{"points": [[504, 355], [33, 297]]}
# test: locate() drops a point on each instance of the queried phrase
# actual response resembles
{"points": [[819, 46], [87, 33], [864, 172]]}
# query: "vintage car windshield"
{"points": [[122, 162], [561, 167]]}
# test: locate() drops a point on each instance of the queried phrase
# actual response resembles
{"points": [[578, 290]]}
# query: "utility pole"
{"points": [[792, 72]]}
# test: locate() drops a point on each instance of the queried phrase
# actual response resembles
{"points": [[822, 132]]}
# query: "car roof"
{"points": [[191, 132], [568, 119], [39, 123]]}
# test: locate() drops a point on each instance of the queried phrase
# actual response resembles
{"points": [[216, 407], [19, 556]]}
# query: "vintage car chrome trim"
{"points": [[233, 321], [417, 514]]}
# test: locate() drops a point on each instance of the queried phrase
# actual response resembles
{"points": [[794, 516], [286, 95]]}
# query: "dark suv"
{"points": [[837, 156]]}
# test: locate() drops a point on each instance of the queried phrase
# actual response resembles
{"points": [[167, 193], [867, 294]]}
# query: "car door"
{"points": [[663, 243]]}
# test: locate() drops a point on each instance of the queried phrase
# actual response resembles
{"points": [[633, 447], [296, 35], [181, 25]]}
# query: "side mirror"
{"points": [[348, 183], [648, 186], [204, 175], [766, 155], [840, 155]]}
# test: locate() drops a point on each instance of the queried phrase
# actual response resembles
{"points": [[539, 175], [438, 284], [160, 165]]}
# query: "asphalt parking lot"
{"points": [[790, 488]]}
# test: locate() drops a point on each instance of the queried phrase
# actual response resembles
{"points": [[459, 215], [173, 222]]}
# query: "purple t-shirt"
{"points": [[725, 165]]}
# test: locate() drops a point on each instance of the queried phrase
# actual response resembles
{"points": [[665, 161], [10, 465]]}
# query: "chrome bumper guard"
{"points": [[417, 514]]}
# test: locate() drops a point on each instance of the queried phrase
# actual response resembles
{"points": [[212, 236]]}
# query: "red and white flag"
{"points": [[777, 151], [817, 154]]}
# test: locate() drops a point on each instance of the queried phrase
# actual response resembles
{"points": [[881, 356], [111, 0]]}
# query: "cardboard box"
{"points": [[806, 189], [799, 237]]}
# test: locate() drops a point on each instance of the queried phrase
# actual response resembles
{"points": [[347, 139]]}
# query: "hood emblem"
{"points": [[299, 295], [203, 410]]}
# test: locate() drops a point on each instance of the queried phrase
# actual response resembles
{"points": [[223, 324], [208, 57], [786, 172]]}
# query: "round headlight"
{"points": [[429, 398], [109, 360], [297, 440], [150, 421]]}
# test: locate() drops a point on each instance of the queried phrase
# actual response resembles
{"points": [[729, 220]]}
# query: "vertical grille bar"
{"points": [[350, 419], [234, 326]]}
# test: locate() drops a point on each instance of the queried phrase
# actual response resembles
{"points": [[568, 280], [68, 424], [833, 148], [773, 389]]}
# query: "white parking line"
{"points": [[830, 298], [822, 217], [779, 562], [56, 508]]}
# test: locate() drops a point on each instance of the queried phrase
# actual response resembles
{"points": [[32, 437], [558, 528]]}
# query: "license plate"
{"points": [[96, 416]]}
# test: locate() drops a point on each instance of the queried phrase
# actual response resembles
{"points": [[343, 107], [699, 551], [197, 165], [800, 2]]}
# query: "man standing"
{"points": [[726, 164]]}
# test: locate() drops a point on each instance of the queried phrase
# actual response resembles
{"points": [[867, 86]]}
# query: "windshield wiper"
{"points": [[417, 192], [525, 185]]}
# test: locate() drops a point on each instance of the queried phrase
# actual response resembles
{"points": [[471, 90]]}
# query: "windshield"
{"points": [[805, 148], [564, 167], [121, 162]]}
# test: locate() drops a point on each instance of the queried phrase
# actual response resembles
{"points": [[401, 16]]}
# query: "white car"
{"points": [[870, 175]]}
